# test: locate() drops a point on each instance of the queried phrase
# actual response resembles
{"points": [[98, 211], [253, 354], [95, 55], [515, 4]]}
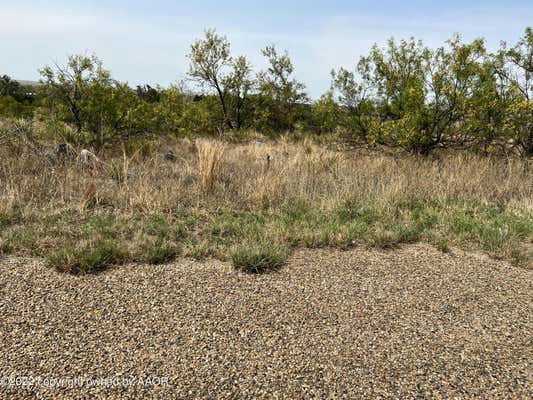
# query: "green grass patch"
{"points": [[161, 252], [11, 217], [238, 235], [259, 258], [87, 259]]}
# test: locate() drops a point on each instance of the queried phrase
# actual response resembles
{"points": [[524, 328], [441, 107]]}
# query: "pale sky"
{"points": [[147, 41]]}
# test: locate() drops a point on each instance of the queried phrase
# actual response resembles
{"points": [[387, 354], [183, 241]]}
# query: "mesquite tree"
{"points": [[212, 65], [279, 92], [83, 93]]}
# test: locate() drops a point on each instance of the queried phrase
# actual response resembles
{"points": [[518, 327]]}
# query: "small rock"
{"points": [[59, 152], [170, 156], [88, 159]]}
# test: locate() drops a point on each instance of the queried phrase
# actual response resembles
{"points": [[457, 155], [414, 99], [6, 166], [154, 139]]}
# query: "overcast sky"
{"points": [[147, 41]]}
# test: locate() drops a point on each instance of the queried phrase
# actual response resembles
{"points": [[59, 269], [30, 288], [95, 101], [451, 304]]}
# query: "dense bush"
{"points": [[419, 98], [405, 95], [16, 100]]}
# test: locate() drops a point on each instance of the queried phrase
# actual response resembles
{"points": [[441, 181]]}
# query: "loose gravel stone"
{"points": [[408, 323]]}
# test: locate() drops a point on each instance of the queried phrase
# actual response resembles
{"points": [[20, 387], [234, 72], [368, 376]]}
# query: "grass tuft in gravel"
{"points": [[441, 244], [88, 259], [161, 252], [259, 258], [5, 247]]}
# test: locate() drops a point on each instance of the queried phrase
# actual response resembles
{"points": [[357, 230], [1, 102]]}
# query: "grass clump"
{"points": [[259, 258], [10, 217], [161, 252], [87, 260], [210, 154], [441, 244], [383, 239], [5, 247], [522, 258]]}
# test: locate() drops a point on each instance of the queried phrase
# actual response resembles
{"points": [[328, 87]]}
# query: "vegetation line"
{"points": [[403, 95]]}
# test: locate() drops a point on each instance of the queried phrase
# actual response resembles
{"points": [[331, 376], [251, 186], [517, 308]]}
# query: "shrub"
{"points": [[83, 94], [9, 107]]}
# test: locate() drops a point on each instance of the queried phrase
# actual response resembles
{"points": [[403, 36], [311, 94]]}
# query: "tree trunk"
{"points": [[227, 120], [528, 145]]}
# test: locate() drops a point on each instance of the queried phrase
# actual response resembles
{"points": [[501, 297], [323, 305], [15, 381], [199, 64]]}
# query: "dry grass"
{"points": [[210, 155], [299, 193], [241, 175]]}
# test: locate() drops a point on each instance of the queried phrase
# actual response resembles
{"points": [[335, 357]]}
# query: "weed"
{"points": [[442, 245], [5, 247], [11, 217], [383, 239]]}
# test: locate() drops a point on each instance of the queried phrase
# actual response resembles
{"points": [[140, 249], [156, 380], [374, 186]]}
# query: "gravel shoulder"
{"points": [[412, 322]]}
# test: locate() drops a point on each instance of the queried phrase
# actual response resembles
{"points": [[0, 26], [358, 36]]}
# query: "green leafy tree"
{"points": [[240, 84], [9, 107], [279, 93], [454, 76], [212, 65], [514, 68], [148, 93], [198, 118], [16, 100], [10, 87], [324, 115], [484, 123], [355, 93], [409, 95], [398, 79], [82, 93]]}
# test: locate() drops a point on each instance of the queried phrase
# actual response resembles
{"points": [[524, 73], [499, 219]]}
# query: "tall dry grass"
{"points": [[212, 174], [210, 155]]}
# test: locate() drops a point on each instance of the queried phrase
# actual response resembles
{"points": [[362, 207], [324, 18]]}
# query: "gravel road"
{"points": [[407, 323]]}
